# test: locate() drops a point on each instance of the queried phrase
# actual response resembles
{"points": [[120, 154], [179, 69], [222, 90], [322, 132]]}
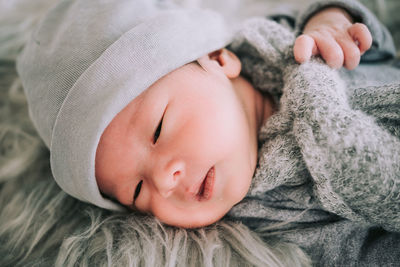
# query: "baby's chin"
{"points": [[195, 224], [195, 221], [207, 211]]}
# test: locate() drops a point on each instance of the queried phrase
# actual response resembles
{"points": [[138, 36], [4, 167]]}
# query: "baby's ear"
{"points": [[227, 61]]}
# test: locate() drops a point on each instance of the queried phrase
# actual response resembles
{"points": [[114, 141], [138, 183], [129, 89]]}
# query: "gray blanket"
{"points": [[330, 157]]}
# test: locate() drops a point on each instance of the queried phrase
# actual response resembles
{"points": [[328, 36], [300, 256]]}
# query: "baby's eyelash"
{"points": [[137, 190], [158, 131]]}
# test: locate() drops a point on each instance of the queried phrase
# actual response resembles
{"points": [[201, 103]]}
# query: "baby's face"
{"points": [[184, 150]]}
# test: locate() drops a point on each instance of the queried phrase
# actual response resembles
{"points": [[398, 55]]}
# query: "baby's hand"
{"points": [[332, 34]]}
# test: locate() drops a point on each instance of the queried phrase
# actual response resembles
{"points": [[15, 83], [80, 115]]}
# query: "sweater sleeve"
{"points": [[382, 45], [354, 163]]}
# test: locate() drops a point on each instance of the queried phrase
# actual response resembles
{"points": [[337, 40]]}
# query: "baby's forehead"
{"points": [[186, 73]]}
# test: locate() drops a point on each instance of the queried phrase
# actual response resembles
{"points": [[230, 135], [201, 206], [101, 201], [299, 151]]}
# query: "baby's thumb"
{"points": [[304, 48]]}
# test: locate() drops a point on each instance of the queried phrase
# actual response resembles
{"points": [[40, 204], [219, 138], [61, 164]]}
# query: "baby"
{"points": [[185, 149], [173, 125]]}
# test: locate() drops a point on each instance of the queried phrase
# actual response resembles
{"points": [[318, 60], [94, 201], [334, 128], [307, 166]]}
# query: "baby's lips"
{"points": [[193, 192], [194, 189], [209, 185]]}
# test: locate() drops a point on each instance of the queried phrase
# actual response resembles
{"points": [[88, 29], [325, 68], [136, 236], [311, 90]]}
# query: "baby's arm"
{"points": [[332, 34]]}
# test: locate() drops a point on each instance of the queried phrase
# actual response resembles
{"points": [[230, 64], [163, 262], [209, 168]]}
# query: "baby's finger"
{"points": [[330, 50], [304, 47], [351, 53], [360, 33]]}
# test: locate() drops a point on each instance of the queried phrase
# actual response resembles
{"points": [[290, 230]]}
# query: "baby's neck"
{"points": [[259, 109], [268, 107], [262, 106]]}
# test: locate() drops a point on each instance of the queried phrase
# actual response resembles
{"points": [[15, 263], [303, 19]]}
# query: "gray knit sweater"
{"points": [[329, 159]]}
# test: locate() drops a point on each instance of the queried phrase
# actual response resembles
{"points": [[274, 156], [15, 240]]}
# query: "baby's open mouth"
{"points": [[207, 186]]}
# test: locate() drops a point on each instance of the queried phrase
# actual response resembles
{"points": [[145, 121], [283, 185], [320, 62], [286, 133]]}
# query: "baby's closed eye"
{"points": [[137, 190], [158, 131]]}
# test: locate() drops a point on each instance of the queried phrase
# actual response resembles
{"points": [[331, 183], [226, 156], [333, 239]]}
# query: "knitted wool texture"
{"points": [[323, 133]]}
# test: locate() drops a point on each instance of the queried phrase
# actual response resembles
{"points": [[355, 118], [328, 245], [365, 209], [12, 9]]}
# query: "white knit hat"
{"points": [[88, 59]]}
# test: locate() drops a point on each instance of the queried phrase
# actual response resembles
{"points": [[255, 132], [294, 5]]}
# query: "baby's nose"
{"points": [[166, 178]]}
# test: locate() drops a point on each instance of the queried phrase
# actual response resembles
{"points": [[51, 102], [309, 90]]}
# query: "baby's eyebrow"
{"points": [[196, 66], [201, 66]]}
